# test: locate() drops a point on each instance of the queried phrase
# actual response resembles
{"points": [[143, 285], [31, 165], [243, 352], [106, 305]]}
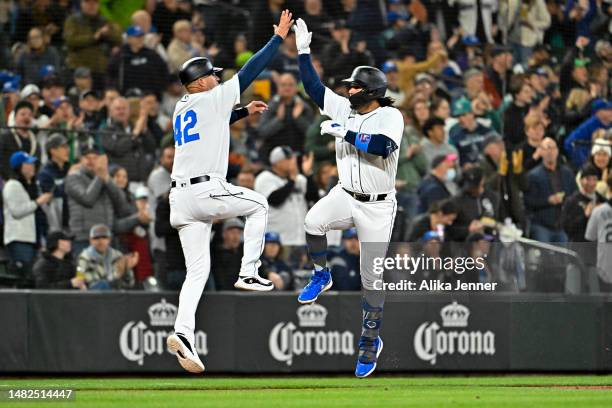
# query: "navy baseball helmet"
{"points": [[371, 79], [197, 68]]}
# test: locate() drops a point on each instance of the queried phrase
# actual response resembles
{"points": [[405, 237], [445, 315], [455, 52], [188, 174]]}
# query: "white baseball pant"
{"points": [[193, 208], [373, 221]]}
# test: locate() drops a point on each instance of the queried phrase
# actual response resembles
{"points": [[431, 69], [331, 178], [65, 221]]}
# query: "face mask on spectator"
{"points": [[451, 174]]}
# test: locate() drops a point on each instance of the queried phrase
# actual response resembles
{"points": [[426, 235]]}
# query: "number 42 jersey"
{"points": [[202, 131]]}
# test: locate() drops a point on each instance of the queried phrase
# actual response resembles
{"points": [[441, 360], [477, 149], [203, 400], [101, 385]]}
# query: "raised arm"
{"points": [[312, 83], [262, 58]]}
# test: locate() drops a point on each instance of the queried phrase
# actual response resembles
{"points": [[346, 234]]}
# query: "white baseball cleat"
{"points": [[185, 352], [255, 283]]}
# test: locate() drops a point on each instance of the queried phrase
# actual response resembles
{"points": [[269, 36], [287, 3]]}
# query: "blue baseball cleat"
{"points": [[319, 283], [368, 355]]}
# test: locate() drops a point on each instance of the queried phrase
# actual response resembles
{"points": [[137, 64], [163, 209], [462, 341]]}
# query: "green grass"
{"points": [[294, 391]]}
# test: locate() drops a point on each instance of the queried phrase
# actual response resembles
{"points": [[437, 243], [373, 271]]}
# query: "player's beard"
{"points": [[359, 100]]}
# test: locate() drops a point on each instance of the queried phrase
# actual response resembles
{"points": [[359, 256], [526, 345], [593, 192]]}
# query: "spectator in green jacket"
{"points": [[322, 146], [90, 38]]}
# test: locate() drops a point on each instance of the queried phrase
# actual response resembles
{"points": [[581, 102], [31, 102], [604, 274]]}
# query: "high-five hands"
{"points": [[284, 24], [302, 37], [256, 107]]}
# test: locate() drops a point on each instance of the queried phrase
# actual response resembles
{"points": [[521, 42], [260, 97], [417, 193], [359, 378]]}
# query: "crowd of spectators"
{"points": [[507, 122]]}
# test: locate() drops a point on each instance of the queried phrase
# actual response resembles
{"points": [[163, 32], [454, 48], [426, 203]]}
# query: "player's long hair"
{"points": [[386, 101]]}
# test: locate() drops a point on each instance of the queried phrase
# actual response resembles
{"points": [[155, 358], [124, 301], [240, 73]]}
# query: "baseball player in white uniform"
{"points": [[368, 131], [200, 193]]}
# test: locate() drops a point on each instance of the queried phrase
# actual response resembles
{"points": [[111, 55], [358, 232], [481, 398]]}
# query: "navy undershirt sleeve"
{"points": [[238, 114], [258, 62], [377, 144], [312, 83]]}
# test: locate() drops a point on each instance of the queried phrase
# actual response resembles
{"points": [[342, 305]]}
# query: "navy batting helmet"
{"points": [[197, 68], [372, 81]]}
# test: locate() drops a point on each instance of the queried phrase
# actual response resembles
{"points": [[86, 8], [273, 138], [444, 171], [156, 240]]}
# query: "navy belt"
{"points": [[364, 197], [193, 180]]}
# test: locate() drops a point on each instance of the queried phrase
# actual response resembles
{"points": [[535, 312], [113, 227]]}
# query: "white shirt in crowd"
{"points": [[288, 218]]}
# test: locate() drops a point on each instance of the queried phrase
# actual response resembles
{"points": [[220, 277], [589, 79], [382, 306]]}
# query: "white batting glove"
{"points": [[302, 37], [329, 127]]}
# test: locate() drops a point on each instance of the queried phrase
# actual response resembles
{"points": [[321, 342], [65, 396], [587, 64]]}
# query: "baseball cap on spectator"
{"points": [[134, 31], [23, 105], [600, 104], [423, 77], [349, 233], [394, 16], [389, 66], [470, 41], [431, 123], [281, 153], [55, 140], [29, 90], [113, 168], [58, 101], [541, 47], [462, 106], [6, 76], [272, 237], [500, 49], [472, 177], [46, 71], [89, 93], [89, 149], [493, 138], [430, 236], [134, 93], [82, 72], [99, 231], [439, 159], [142, 193], [581, 62], [589, 170], [20, 157], [54, 237], [10, 87], [233, 223], [601, 145], [541, 71], [339, 24]]}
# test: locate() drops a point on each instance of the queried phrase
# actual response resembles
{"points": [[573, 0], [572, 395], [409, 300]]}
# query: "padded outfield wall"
{"points": [[124, 332]]}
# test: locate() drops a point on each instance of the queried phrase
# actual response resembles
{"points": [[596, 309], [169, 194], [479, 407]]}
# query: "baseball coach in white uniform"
{"points": [[200, 193]]}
